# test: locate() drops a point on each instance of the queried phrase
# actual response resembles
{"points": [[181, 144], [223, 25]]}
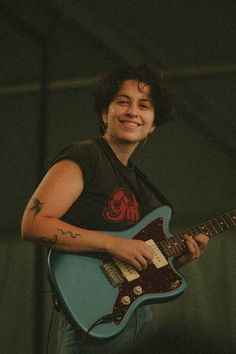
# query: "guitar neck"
{"points": [[177, 245]]}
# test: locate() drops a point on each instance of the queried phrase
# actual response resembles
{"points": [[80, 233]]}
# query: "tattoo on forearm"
{"points": [[37, 206], [53, 240], [70, 234], [48, 241]]}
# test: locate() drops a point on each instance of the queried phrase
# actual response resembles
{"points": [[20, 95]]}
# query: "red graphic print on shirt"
{"points": [[122, 206]]}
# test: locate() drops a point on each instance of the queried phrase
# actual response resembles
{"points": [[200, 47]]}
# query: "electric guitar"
{"points": [[99, 294]]}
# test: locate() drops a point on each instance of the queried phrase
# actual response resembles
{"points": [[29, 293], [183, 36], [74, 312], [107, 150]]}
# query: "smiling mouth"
{"points": [[130, 124]]}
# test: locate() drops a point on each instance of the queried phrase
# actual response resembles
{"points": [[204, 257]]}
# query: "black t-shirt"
{"points": [[114, 196]]}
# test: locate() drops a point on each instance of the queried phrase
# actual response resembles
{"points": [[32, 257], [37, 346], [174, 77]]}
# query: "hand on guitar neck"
{"points": [[195, 247]]}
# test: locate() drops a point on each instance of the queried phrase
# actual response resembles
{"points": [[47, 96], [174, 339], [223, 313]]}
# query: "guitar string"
{"points": [[220, 221]]}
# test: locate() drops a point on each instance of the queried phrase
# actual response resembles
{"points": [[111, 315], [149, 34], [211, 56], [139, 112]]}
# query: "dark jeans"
{"points": [[137, 332]]}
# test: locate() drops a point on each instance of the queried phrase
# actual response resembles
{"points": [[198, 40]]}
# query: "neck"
{"points": [[122, 149]]}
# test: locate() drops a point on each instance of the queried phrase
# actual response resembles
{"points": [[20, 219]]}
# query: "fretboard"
{"points": [[177, 244]]}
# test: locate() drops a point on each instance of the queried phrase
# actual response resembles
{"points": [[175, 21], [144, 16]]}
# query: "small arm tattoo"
{"points": [[37, 206], [70, 234], [53, 240], [48, 241]]}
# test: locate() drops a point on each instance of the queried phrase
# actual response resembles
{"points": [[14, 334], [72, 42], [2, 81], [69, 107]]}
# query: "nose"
{"points": [[131, 110]]}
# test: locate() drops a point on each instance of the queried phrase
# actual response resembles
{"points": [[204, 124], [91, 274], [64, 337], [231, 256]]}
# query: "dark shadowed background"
{"points": [[51, 53]]}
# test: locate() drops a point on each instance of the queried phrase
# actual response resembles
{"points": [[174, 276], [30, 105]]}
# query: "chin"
{"points": [[130, 140]]}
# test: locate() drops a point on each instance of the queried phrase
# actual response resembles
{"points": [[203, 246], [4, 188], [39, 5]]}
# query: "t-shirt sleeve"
{"points": [[84, 154]]}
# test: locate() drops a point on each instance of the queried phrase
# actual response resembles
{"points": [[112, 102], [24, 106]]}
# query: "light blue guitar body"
{"points": [[86, 294]]}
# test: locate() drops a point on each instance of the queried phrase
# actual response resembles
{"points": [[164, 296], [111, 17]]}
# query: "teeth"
{"points": [[132, 124]]}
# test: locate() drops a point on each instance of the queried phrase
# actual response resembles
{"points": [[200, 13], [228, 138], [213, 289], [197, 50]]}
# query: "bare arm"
{"points": [[41, 222], [58, 190]]}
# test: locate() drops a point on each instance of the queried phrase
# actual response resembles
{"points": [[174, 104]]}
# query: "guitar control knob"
{"points": [[125, 300], [138, 290]]}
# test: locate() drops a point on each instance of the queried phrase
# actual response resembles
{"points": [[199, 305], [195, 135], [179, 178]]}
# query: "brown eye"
{"points": [[122, 102], [145, 106]]}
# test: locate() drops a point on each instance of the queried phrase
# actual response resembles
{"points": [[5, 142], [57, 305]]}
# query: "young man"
{"points": [[93, 185]]}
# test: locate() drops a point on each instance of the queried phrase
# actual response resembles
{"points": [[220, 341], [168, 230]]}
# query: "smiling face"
{"points": [[130, 115]]}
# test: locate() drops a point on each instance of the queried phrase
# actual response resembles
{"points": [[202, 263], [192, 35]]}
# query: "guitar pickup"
{"points": [[158, 260], [129, 272]]}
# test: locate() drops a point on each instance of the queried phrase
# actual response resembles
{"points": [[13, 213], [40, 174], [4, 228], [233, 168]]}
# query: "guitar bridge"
{"points": [[112, 273]]}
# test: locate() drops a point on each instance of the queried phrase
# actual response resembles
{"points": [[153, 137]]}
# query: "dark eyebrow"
{"points": [[122, 95], [144, 99]]}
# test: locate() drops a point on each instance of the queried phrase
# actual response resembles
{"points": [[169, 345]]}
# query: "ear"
{"points": [[152, 129], [104, 118], [104, 122]]}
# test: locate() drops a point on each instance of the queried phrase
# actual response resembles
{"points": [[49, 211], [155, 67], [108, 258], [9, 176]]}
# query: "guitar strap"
{"points": [[153, 188]]}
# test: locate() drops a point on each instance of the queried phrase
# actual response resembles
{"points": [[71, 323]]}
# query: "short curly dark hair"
{"points": [[163, 99]]}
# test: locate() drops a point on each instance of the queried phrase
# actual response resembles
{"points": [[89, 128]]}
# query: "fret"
{"points": [[172, 246], [183, 245], [222, 223], [165, 247], [211, 229], [217, 226], [176, 245], [231, 220], [179, 244], [214, 228], [190, 232], [197, 229], [180, 237], [232, 216], [205, 230], [224, 218], [181, 240], [162, 247]]}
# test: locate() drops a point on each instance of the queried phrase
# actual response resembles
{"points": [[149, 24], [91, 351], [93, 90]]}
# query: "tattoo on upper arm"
{"points": [[37, 206]]}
